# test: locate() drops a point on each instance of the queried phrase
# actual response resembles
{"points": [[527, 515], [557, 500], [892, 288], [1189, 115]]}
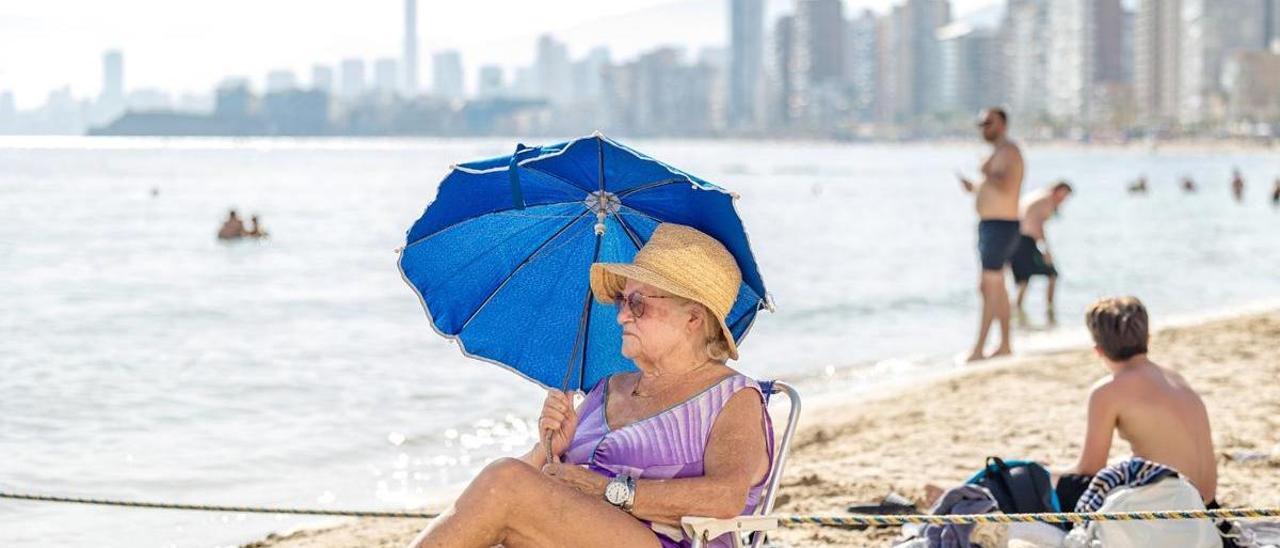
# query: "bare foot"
{"points": [[976, 356], [1001, 352]]}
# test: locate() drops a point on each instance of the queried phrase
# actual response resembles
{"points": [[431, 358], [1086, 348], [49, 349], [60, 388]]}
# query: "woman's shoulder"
{"points": [[736, 380]]}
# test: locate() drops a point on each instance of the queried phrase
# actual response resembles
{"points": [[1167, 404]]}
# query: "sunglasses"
{"points": [[635, 302]]}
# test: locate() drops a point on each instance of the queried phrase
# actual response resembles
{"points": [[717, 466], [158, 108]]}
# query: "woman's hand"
{"points": [[577, 477], [560, 418]]}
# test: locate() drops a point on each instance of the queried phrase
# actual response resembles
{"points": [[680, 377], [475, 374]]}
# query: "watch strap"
{"points": [[631, 494]]}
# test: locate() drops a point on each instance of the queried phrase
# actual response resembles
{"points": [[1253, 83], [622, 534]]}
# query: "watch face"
{"points": [[615, 493]]}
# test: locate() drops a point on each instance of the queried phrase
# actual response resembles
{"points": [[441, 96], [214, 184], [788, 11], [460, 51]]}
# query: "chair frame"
{"points": [[754, 526]]}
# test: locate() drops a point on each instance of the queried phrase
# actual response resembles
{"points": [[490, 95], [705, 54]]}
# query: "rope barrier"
{"points": [[876, 520], [785, 520], [217, 508]]}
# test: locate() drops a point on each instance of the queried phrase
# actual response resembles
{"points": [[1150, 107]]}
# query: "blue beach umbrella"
{"points": [[500, 259]]}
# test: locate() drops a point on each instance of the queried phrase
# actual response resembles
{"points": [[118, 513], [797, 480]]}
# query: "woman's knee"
{"points": [[504, 479]]}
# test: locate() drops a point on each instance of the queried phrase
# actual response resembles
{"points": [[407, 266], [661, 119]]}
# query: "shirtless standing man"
{"points": [[997, 204], [1153, 408]]}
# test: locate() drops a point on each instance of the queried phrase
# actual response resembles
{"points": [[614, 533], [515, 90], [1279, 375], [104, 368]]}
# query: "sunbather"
{"points": [[685, 435]]}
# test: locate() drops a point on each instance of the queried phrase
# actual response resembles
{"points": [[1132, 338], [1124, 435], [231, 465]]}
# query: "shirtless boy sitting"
{"points": [[1151, 407]]}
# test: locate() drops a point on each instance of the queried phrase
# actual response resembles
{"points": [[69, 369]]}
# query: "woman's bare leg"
{"points": [[512, 504]]}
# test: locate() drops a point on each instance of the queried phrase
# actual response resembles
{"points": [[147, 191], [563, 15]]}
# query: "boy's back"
{"points": [[1164, 421]]}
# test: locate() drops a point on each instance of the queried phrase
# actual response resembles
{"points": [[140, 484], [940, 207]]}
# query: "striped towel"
{"points": [[1134, 472]]}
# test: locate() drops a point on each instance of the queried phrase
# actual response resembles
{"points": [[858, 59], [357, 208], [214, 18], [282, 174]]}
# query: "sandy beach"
{"points": [[1029, 407]]}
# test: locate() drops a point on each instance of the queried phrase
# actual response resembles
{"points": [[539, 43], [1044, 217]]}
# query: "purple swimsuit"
{"points": [[668, 445]]}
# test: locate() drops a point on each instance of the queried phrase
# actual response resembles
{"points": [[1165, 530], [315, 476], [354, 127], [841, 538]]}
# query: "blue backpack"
{"points": [[1019, 486]]}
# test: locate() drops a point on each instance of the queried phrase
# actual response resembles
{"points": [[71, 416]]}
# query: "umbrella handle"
{"points": [[546, 444]]}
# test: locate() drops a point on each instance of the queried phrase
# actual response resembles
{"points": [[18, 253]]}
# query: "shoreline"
{"points": [[1029, 406], [378, 142]]}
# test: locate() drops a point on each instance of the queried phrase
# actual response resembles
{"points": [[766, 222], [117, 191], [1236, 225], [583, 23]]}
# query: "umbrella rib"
{"points": [[518, 268], [600, 158], [643, 214], [556, 177], [631, 233], [478, 216], [650, 186]]}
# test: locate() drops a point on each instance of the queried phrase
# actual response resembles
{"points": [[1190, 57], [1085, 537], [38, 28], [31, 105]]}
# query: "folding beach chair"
{"points": [[750, 530]]}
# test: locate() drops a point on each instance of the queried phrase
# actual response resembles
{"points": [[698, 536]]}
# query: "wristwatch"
{"points": [[621, 491]]}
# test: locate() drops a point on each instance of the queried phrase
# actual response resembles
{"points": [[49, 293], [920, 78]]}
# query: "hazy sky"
{"points": [[184, 45]]}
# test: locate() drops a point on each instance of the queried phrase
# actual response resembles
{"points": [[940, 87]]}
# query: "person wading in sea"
{"points": [[232, 228], [997, 205], [1032, 258]]}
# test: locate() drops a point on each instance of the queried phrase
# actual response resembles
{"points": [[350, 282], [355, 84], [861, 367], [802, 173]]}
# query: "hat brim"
{"points": [[608, 279]]}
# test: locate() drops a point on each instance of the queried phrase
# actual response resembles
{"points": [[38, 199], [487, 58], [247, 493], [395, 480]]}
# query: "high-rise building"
{"points": [[524, 83], [491, 82], [551, 70], [1156, 60], [234, 100], [1084, 46], [1024, 32], [818, 47], [667, 96], [1126, 48], [817, 61], [112, 75], [888, 45], [924, 18], [1109, 29], [352, 76], [1252, 83], [111, 99], [1211, 31], [386, 76], [322, 78], [711, 75], [446, 75], [1273, 25], [281, 80], [970, 69], [781, 80], [1069, 59], [746, 63], [587, 76], [61, 114], [862, 65], [913, 60], [410, 56]]}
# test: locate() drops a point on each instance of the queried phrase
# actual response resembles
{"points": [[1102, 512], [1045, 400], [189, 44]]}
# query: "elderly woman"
{"points": [[686, 435]]}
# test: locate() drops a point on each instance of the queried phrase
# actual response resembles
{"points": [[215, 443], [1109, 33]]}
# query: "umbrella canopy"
{"points": [[500, 259]]}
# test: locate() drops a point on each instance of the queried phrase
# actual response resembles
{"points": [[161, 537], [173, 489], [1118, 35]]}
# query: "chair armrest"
{"points": [[702, 530]]}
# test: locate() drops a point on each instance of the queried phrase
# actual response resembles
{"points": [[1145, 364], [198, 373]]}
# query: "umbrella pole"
{"points": [[579, 352], [603, 207]]}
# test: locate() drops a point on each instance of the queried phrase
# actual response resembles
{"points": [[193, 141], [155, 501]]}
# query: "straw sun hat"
{"points": [[684, 262]]}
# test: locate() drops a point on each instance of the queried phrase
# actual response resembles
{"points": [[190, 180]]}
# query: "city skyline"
{"points": [[1078, 69], [189, 54]]}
